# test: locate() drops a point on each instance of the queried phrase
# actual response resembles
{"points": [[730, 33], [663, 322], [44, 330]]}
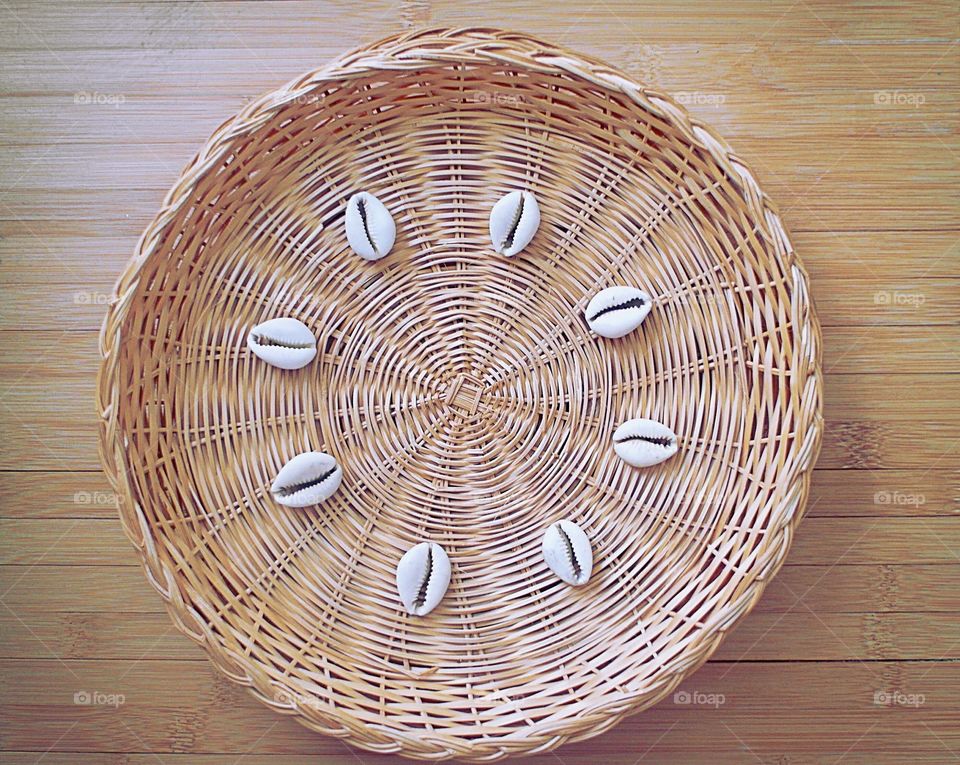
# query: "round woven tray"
{"points": [[463, 394]]}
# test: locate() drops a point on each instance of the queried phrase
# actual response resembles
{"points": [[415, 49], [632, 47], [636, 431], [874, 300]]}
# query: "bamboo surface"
{"points": [[867, 600]]}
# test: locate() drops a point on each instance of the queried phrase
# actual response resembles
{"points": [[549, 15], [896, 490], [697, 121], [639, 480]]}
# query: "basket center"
{"points": [[463, 394]]}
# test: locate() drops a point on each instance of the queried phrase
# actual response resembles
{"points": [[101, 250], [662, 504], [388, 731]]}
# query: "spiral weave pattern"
{"points": [[463, 394]]}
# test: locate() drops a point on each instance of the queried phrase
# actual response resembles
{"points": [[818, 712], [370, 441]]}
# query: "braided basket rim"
{"points": [[411, 50]]}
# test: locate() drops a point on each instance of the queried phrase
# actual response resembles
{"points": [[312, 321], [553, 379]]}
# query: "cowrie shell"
{"points": [[285, 343], [642, 443], [616, 311], [370, 227], [423, 576], [307, 479], [513, 222], [567, 552]]}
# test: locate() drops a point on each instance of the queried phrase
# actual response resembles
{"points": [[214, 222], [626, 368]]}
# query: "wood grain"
{"points": [[868, 601], [800, 704]]}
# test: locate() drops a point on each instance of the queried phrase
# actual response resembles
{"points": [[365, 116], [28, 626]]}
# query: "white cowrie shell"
{"points": [[615, 311], [423, 576], [567, 552], [285, 343], [642, 443], [513, 222], [370, 227], [307, 479]]}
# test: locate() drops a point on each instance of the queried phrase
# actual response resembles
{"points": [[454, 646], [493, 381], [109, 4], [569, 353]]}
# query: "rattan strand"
{"points": [[463, 395]]}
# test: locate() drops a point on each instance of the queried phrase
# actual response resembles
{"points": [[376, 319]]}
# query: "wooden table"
{"points": [[848, 114]]}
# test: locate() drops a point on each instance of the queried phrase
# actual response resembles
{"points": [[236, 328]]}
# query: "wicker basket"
{"points": [[463, 395]]}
